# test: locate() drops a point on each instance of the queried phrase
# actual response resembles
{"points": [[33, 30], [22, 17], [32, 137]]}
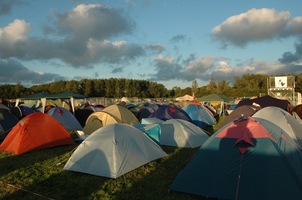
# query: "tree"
{"points": [[211, 87], [195, 87]]}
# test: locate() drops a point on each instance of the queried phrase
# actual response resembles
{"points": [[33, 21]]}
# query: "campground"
{"points": [[40, 175]]}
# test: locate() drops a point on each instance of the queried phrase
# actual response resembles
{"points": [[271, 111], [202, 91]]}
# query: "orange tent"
{"points": [[36, 131]]}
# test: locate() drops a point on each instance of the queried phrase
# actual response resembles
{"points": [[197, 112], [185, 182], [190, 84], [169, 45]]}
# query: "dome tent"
{"points": [[36, 131], [113, 150]]}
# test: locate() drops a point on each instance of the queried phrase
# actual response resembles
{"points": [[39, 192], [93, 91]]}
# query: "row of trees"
{"points": [[247, 85]]}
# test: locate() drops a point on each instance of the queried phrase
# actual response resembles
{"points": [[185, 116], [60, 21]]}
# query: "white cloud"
{"points": [[14, 32], [257, 25], [86, 33]]}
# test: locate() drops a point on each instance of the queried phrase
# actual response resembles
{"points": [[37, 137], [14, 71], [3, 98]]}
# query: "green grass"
{"points": [[40, 175]]}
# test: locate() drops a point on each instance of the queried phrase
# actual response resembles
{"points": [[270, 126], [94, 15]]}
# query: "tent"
{"points": [[181, 133], [35, 131], [220, 99], [65, 117], [200, 115], [185, 98], [114, 150], [175, 132], [7, 121], [151, 120], [146, 111], [265, 101], [165, 112], [22, 111], [42, 98], [298, 110], [245, 110], [242, 161], [282, 119], [109, 115]]}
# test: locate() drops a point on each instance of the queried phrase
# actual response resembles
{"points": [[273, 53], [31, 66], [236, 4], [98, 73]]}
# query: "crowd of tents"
{"points": [[254, 154]]}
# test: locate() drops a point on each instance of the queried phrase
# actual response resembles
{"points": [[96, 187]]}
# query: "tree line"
{"points": [[247, 85]]}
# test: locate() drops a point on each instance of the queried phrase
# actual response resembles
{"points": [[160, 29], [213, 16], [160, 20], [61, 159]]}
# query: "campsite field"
{"points": [[40, 175]]}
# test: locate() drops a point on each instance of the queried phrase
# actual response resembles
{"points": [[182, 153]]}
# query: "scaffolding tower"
{"points": [[282, 87]]}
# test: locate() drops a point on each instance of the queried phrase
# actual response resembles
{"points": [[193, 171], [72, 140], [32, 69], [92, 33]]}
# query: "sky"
{"points": [[172, 42]]}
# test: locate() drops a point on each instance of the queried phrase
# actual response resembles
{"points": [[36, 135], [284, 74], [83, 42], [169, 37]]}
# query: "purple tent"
{"points": [[165, 112]]}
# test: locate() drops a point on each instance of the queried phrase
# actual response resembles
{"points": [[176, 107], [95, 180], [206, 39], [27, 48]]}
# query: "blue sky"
{"points": [[172, 42]]}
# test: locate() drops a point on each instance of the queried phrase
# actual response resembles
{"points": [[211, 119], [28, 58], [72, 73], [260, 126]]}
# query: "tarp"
{"points": [[242, 161], [114, 150], [35, 131]]}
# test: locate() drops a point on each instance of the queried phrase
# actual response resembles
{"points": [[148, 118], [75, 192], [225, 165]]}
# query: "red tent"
{"points": [[36, 131]]}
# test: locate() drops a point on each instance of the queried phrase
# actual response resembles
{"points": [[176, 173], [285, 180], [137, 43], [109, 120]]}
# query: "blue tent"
{"points": [[200, 115]]}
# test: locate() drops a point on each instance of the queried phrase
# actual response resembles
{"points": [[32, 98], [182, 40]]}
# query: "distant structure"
{"points": [[283, 87]]}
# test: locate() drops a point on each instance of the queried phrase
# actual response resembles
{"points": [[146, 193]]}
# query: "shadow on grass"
{"points": [[10, 162], [151, 181]]}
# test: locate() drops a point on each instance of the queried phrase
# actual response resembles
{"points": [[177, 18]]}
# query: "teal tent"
{"points": [[243, 161]]}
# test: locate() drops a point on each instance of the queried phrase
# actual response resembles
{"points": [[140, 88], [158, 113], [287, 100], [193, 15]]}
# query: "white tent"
{"points": [[175, 132], [65, 117], [181, 133], [114, 150], [185, 98], [151, 120], [284, 120]]}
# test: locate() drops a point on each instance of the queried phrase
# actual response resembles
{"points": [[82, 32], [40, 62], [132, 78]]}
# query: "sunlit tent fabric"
{"points": [[114, 150], [265, 101], [200, 115], [282, 119], [109, 115], [244, 110], [185, 98], [165, 112], [7, 121], [241, 161], [151, 120], [36, 131], [65, 117]]}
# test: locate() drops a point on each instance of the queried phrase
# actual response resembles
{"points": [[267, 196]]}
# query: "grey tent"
{"points": [[114, 150]]}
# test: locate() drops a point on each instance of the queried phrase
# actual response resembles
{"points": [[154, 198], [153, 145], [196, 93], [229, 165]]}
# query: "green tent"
{"points": [[215, 97], [243, 161], [42, 97], [222, 99]]}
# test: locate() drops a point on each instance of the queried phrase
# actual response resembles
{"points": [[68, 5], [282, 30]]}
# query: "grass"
{"points": [[40, 175]]}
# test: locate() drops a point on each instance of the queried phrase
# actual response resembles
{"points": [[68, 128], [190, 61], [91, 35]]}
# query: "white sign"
{"points": [[281, 82]]}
